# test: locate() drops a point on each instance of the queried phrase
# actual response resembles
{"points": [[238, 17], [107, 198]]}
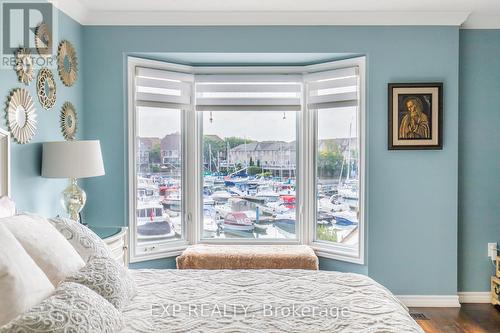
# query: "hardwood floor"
{"points": [[470, 318]]}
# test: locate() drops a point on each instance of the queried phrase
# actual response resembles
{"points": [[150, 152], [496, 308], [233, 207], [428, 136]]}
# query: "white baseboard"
{"points": [[474, 297], [431, 301]]}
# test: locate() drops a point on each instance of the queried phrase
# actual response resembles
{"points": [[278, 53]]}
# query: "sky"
{"points": [[253, 125]]}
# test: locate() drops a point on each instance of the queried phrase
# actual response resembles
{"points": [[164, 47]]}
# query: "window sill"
{"points": [[158, 251], [338, 253]]}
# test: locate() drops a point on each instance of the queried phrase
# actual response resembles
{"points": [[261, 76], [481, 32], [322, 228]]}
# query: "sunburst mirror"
{"points": [[68, 121], [21, 115], [43, 40], [67, 63], [46, 88], [24, 66]]}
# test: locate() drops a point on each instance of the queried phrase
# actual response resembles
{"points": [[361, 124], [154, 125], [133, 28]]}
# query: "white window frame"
{"points": [[329, 249], [192, 166], [151, 250]]}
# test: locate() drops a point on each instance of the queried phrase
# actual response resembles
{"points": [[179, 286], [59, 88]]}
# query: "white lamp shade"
{"points": [[72, 159]]}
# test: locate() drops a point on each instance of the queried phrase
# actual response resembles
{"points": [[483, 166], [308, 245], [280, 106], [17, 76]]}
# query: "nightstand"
{"points": [[117, 240]]}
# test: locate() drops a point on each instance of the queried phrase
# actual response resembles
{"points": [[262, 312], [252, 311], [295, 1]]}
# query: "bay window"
{"points": [[246, 155]]}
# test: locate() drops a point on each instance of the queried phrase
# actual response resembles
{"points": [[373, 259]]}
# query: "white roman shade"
{"points": [[248, 92], [162, 88], [333, 89]]}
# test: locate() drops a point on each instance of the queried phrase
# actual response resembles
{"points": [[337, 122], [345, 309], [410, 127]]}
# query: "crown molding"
{"points": [[73, 8], [482, 21], [76, 10]]}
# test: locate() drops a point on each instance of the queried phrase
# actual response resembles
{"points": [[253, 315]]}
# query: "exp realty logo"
{"points": [[29, 25]]}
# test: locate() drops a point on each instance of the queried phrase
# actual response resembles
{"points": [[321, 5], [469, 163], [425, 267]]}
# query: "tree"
{"points": [[155, 154], [330, 161], [254, 170], [215, 146], [234, 141]]}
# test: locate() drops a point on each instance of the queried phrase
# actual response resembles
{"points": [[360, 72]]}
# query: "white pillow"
{"points": [[48, 248], [7, 207], [22, 283], [83, 240]]}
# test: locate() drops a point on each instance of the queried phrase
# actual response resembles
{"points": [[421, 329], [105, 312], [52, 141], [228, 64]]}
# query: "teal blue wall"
{"points": [[30, 191], [412, 195], [479, 156]]}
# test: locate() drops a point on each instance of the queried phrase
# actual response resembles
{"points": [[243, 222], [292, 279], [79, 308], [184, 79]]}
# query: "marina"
{"points": [[242, 206]]}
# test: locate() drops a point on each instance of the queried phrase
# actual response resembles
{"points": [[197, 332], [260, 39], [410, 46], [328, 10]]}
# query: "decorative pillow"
{"points": [[22, 283], [7, 207], [107, 278], [84, 240], [46, 246], [72, 308]]}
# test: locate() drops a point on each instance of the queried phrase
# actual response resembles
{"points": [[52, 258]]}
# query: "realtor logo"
{"points": [[29, 25]]}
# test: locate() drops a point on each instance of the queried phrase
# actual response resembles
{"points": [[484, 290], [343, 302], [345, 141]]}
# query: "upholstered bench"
{"points": [[248, 257]]}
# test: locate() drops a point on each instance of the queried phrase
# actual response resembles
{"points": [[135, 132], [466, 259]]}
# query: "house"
{"points": [[267, 154], [144, 147], [170, 151]]}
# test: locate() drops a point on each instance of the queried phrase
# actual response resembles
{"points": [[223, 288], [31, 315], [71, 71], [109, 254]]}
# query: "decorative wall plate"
{"points": [[21, 115], [67, 63], [46, 88], [43, 40], [24, 66], [68, 121]]}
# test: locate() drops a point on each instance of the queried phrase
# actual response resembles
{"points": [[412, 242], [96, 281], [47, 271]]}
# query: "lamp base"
{"points": [[73, 199]]}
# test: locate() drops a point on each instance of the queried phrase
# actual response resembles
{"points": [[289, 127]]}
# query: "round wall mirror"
{"points": [[43, 40], [21, 115], [68, 121], [67, 63], [46, 88], [24, 66]]}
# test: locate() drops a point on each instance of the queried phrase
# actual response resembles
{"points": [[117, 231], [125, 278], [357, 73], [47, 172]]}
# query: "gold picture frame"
{"points": [[69, 120], [21, 115], [46, 88], [67, 63]]}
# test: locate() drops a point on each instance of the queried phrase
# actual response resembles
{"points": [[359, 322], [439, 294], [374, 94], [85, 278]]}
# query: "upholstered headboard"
{"points": [[4, 162]]}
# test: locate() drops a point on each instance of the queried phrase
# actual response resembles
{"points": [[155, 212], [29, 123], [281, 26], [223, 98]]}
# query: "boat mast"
{"points": [[349, 154], [210, 158]]}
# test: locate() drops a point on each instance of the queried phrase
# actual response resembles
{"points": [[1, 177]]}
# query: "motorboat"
{"points": [[237, 221]]}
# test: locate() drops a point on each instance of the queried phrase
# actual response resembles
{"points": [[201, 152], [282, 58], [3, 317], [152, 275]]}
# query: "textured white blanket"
{"points": [[263, 301]]}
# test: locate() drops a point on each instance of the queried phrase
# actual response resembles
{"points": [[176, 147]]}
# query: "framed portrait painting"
{"points": [[415, 116]]}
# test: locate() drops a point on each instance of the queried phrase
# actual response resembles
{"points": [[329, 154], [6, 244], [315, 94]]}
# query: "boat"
{"points": [[288, 217], [210, 226], [237, 221], [286, 221], [172, 201], [345, 218], [251, 209], [233, 181], [152, 223], [267, 193], [221, 196], [331, 204]]}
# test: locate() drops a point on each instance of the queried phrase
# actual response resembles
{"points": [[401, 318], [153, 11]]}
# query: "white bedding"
{"points": [[263, 301]]}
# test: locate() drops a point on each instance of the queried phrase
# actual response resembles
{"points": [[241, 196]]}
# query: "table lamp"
{"points": [[73, 160]]}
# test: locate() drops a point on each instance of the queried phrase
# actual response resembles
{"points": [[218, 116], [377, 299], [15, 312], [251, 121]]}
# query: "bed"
{"points": [[262, 301], [285, 300]]}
